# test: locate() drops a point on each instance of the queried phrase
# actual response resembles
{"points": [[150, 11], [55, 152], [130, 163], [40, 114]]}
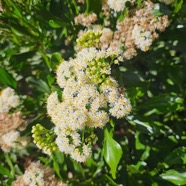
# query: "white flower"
{"points": [[81, 156], [67, 140], [8, 100], [37, 174], [13, 139], [117, 5], [142, 38], [64, 73], [34, 176], [120, 108], [97, 119]]}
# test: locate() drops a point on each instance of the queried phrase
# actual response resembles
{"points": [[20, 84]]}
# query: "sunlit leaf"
{"points": [[112, 152], [175, 177], [54, 24], [144, 125], [56, 59], [4, 171], [178, 5], [176, 157], [57, 168], [40, 85]]}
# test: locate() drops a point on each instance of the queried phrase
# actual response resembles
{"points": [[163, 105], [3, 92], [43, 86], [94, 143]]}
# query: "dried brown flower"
{"points": [[138, 30], [85, 19], [9, 122]]}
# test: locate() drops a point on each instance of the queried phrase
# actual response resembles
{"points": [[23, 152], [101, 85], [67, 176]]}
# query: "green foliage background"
{"points": [[148, 147]]}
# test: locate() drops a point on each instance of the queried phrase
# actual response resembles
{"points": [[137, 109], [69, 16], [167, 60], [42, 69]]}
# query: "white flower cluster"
{"points": [[84, 103], [118, 103], [106, 38], [8, 100], [34, 175], [13, 139], [117, 5], [85, 19], [142, 38], [37, 174], [69, 142], [9, 136]]}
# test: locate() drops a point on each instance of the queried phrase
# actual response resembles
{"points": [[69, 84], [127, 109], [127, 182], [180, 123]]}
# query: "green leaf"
{"points": [[163, 103], [39, 84], [7, 79], [178, 5], [15, 8], [78, 168], [57, 168], [138, 1], [54, 24], [44, 160], [109, 180], [112, 152], [176, 157], [138, 144], [174, 177], [157, 13], [58, 156], [145, 126], [4, 171], [50, 79], [9, 162], [56, 59]]}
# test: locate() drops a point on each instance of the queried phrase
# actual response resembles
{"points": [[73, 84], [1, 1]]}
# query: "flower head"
{"points": [[37, 174], [8, 100]]}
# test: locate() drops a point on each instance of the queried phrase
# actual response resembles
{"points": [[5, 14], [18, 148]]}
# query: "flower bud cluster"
{"points": [[97, 70], [92, 139], [98, 37], [89, 39], [44, 139]]}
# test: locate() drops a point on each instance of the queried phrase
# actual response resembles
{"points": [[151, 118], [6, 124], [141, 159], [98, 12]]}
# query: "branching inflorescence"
{"points": [[90, 97], [137, 31], [90, 94]]}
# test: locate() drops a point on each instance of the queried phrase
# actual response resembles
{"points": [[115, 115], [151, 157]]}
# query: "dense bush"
{"points": [[92, 92]]}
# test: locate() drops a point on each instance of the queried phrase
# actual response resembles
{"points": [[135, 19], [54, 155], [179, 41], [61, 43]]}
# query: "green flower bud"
{"points": [[44, 138]]}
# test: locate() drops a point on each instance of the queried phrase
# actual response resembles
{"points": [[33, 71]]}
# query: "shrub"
{"points": [[92, 92]]}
